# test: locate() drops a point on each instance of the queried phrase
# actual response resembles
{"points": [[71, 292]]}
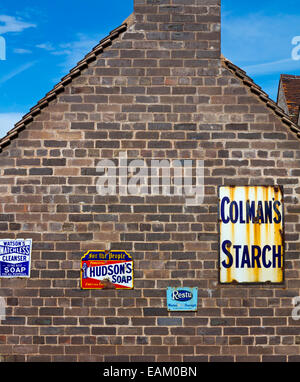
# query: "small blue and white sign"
{"points": [[15, 258], [182, 299]]}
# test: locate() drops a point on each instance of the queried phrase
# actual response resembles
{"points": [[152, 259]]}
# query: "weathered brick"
{"points": [[155, 312], [169, 321], [103, 331], [82, 126]]}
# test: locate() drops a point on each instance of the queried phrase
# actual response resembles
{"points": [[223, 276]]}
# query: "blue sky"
{"points": [[45, 39]]}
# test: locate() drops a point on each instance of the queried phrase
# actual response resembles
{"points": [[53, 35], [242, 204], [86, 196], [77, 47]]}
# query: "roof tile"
{"points": [[291, 88]]}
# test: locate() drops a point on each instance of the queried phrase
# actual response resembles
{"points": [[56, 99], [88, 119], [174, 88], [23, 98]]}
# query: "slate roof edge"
{"points": [[264, 97], [58, 88]]}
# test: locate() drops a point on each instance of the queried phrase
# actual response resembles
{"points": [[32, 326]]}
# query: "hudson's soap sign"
{"points": [[251, 234], [106, 270]]}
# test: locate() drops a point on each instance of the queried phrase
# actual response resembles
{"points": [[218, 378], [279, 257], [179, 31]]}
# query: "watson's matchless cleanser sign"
{"points": [[251, 234], [15, 258], [106, 270]]}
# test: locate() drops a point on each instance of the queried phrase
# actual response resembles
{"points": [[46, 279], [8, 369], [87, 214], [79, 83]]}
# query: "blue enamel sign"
{"points": [[15, 258], [182, 299]]}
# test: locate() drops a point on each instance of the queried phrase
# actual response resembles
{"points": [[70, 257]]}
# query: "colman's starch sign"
{"points": [[106, 270], [251, 248]]}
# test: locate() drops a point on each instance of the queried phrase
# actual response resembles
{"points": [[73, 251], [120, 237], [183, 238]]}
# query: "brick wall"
{"points": [[159, 91]]}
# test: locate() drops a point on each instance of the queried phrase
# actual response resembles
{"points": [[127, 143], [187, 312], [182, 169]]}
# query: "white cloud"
{"points": [[272, 67], [13, 24], [261, 44], [7, 122], [259, 38], [16, 71], [22, 51], [45, 46], [75, 51]]}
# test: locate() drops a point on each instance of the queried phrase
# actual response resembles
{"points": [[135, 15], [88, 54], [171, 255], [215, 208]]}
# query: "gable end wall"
{"points": [[155, 99]]}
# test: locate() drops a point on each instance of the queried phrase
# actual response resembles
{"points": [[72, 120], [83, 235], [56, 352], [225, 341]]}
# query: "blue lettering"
{"points": [[129, 278], [234, 207], [277, 256], [226, 244], [116, 269], [277, 219], [255, 258], [260, 212], [224, 200], [129, 268], [250, 211], [251, 257], [265, 249], [242, 221], [246, 258], [110, 270], [268, 212], [122, 268], [237, 254]]}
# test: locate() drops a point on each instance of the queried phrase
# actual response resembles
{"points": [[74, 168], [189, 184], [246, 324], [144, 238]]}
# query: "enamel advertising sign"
{"points": [[15, 258], [251, 247], [106, 270], [182, 299]]}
